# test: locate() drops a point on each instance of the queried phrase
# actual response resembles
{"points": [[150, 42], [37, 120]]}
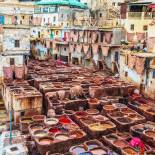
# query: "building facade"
{"points": [[15, 21]]}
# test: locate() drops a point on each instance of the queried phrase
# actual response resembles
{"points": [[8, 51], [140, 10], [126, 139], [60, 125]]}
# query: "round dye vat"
{"points": [[45, 141], [123, 135], [135, 116], [76, 150], [26, 120], [124, 120], [96, 127], [2, 111], [51, 121], [109, 107], [93, 103], [92, 111], [150, 153], [81, 114], [40, 133], [61, 137], [54, 130], [64, 120], [100, 127], [139, 130], [76, 134], [86, 153], [144, 107], [119, 105], [152, 110], [98, 151], [38, 118], [54, 154], [107, 125], [92, 146], [111, 137], [117, 114], [87, 121], [100, 118], [150, 134], [127, 111], [130, 151], [36, 127], [71, 126], [120, 143]]}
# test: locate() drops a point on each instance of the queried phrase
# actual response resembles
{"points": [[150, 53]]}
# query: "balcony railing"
{"points": [[135, 15], [149, 15], [141, 15]]}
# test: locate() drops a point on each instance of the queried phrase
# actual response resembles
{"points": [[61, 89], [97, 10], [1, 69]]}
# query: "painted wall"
{"points": [[138, 24], [132, 75], [64, 50], [12, 8], [47, 18], [5, 62], [9, 37]]}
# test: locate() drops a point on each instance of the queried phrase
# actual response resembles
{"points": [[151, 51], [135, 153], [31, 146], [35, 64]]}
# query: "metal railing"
{"points": [[135, 15]]}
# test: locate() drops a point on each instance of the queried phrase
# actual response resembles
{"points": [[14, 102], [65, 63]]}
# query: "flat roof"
{"points": [[144, 55], [141, 2]]}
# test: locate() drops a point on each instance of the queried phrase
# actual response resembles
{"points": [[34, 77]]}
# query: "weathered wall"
{"points": [[138, 24], [132, 75], [5, 62], [9, 37]]}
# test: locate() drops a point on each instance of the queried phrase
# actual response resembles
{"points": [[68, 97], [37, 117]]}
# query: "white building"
{"points": [[15, 21]]}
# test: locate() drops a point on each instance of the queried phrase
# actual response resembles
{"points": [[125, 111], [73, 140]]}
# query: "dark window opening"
{"points": [[17, 43], [145, 27], [22, 113], [153, 74], [56, 32], [102, 34], [54, 19], [12, 61], [132, 27], [126, 74]]}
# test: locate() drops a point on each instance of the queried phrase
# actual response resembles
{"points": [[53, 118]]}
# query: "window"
{"points": [[54, 19], [23, 17], [154, 74], [100, 15], [62, 15], [12, 61], [65, 49], [17, 43], [56, 32], [132, 27], [126, 74], [145, 27]]}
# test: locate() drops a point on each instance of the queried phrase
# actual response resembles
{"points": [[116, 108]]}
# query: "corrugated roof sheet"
{"points": [[71, 3]]}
